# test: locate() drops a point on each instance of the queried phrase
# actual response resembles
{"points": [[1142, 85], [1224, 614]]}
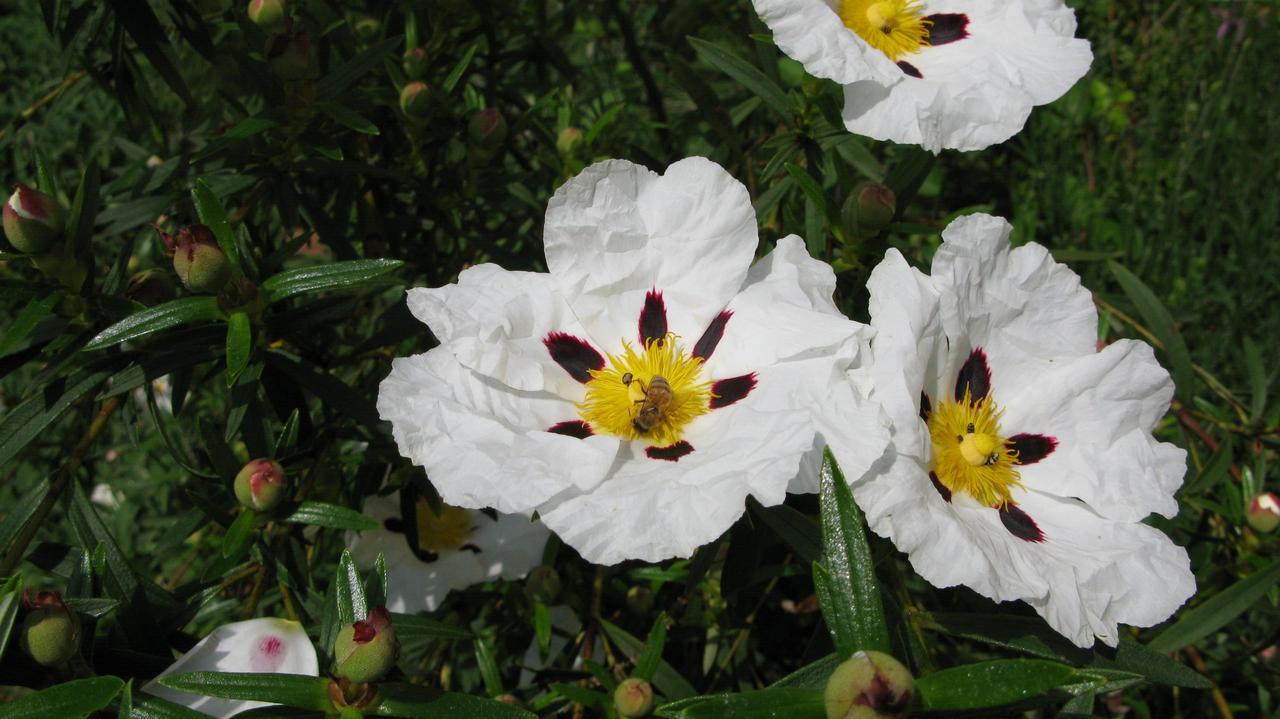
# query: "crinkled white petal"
{"points": [[482, 443], [617, 230], [257, 645], [509, 547], [811, 32]]}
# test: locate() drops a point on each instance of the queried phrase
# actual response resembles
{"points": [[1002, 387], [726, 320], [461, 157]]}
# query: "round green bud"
{"points": [[869, 685], [568, 140], [367, 27], [33, 221], [261, 485], [199, 261], [415, 63], [367, 650], [51, 632], [415, 99], [633, 698], [1263, 513], [542, 584], [640, 600], [487, 128], [267, 14], [791, 71], [869, 209]]}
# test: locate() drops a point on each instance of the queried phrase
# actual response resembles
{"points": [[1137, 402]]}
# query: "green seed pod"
{"points": [[268, 14], [633, 698], [487, 129], [367, 650], [51, 632], [869, 209], [869, 685], [199, 261], [261, 485], [33, 221]]}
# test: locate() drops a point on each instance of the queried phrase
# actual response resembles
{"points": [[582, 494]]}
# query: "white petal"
{"points": [[509, 548], [494, 321], [1101, 409], [256, 645], [617, 230], [483, 444], [811, 32]]}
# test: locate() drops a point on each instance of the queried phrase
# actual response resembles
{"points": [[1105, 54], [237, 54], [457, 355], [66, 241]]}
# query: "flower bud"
{"points": [[415, 63], [267, 14], [791, 72], [633, 698], [487, 129], [367, 27], [291, 58], [33, 221], [1263, 513], [150, 287], [367, 650], [568, 141], [199, 261], [415, 99], [542, 584], [51, 632], [869, 685], [260, 485], [640, 600], [869, 209]]}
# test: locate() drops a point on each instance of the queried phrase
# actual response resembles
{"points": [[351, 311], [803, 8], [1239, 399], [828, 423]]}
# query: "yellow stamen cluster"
{"points": [[611, 404], [969, 453], [447, 531], [894, 27]]}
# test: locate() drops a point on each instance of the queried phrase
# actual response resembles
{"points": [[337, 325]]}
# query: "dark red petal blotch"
{"points": [[727, 391], [1020, 524], [975, 375], [1032, 448], [574, 354], [572, 428], [671, 453], [947, 27], [653, 318], [711, 336]]}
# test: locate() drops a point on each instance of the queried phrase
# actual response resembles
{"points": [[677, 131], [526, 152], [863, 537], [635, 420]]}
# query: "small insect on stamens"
{"points": [[969, 429], [653, 408], [995, 457], [626, 379]]}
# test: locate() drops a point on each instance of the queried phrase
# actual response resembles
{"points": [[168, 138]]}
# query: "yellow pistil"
{"points": [[447, 531], [612, 404], [894, 27], [969, 453]]}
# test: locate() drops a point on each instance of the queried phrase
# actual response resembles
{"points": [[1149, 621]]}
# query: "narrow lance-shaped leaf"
{"points": [[773, 703], [10, 601], [991, 684], [239, 345], [1218, 610], [211, 213], [27, 319], [291, 690], [28, 420], [154, 319], [325, 277], [745, 73], [332, 516], [76, 698]]}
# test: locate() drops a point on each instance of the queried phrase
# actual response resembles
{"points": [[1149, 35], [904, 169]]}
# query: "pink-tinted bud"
{"points": [[487, 129], [633, 698], [415, 63], [260, 485], [869, 209], [869, 685], [151, 287], [51, 632], [33, 221], [367, 650], [568, 140], [268, 14], [1263, 513], [198, 260], [415, 99], [291, 57]]}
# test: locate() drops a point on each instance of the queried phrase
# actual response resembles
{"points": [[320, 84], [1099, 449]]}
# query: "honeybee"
{"points": [[657, 397]]}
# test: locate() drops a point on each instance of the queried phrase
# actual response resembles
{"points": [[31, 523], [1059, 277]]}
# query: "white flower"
{"points": [[960, 74], [454, 550], [1022, 460], [257, 645], [545, 393]]}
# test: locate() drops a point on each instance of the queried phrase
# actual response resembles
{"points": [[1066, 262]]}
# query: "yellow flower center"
{"points": [[446, 531], [894, 27], [650, 395], [969, 453]]}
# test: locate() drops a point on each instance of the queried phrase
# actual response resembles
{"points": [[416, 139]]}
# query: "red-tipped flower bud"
{"points": [[487, 129], [633, 698], [869, 209], [1263, 513], [415, 63], [33, 221], [291, 57], [568, 141], [268, 14], [151, 287], [260, 485], [51, 632], [199, 261], [869, 685], [367, 650], [415, 99], [542, 584]]}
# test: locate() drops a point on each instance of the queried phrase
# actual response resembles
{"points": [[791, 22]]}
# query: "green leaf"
{"points": [[745, 73], [1257, 380], [801, 533], [488, 665], [291, 690], [352, 606], [991, 684], [239, 534], [811, 676], [156, 708], [211, 213], [344, 115], [27, 319], [239, 345], [666, 679], [45, 179], [333, 391], [346, 74], [419, 702], [1217, 611], [1161, 324], [76, 698], [414, 626], [455, 75], [325, 277], [332, 516], [287, 440], [10, 601], [808, 186], [30, 419], [852, 608], [542, 626], [145, 29], [773, 703], [18, 514], [154, 319], [249, 127], [649, 660], [910, 171], [84, 210], [1213, 471]]}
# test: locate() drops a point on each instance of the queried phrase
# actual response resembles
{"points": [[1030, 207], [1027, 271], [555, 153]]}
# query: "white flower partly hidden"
{"points": [[257, 645], [1022, 460], [637, 393], [961, 74], [440, 553]]}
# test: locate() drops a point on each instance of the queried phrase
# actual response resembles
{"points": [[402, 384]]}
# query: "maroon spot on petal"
{"points": [[573, 354], [727, 391], [1032, 448], [1019, 523], [269, 655], [711, 336], [653, 318], [909, 69], [270, 645], [572, 428], [938, 485], [974, 375], [947, 27], [926, 407], [671, 453]]}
